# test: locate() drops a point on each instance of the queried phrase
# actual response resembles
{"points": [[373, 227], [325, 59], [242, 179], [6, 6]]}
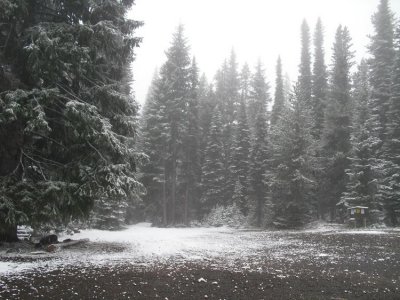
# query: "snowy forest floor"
{"points": [[141, 262]]}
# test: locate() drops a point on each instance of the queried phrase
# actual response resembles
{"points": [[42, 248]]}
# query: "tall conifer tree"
{"points": [[337, 127], [213, 169], [279, 99], [260, 152], [305, 77], [291, 180], [67, 118], [320, 85]]}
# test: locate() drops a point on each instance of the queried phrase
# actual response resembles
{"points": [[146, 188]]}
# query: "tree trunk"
{"points": [[259, 210], [164, 203], [173, 186], [186, 206]]}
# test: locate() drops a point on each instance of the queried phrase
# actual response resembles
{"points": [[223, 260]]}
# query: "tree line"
{"points": [[330, 142]]}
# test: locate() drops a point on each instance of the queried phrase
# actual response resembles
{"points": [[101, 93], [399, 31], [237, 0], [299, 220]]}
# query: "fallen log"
{"points": [[59, 246]]}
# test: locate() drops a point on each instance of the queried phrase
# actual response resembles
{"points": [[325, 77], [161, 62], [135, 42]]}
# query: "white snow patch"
{"points": [[146, 245], [364, 231]]}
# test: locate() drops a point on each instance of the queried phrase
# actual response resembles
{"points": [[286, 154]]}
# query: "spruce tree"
{"points": [[191, 170], [228, 99], [67, 117], [213, 169], [391, 149], [320, 85], [170, 122], [241, 156], [207, 103], [153, 142], [245, 77], [279, 99], [337, 127], [305, 77], [290, 180], [259, 94], [175, 74], [381, 64], [362, 185]]}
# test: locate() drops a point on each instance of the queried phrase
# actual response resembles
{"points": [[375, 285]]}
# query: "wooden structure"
{"points": [[358, 216]]}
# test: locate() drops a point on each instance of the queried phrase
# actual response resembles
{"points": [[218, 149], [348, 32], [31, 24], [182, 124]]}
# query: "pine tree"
{"points": [[66, 113], [245, 77], [239, 198], [207, 104], [305, 86], [176, 75], [362, 185], [320, 85], [259, 94], [228, 99], [337, 127], [391, 182], [153, 142], [213, 169], [279, 99], [173, 116], [191, 172], [381, 64], [290, 180], [241, 156]]}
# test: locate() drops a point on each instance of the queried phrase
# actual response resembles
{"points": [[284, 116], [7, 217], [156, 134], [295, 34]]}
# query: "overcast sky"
{"points": [[253, 28]]}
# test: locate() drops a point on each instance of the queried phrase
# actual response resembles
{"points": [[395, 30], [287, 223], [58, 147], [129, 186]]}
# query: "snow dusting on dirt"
{"points": [[142, 244]]}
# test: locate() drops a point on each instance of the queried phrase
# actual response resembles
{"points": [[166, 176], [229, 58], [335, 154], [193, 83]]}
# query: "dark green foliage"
{"points": [[362, 187], [324, 148], [240, 160], [319, 80], [227, 94], [337, 127], [170, 135], [213, 170], [305, 77], [381, 64], [391, 182], [290, 180], [153, 141], [66, 113], [191, 168], [260, 152], [279, 99]]}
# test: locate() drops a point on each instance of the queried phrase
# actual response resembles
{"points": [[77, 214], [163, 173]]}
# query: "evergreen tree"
{"points": [[362, 185], [245, 77], [66, 113], [228, 99], [279, 99], [260, 153], [213, 169], [391, 182], [175, 74], [305, 86], [207, 104], [191, 165], [381, 64], [337, 127], [290, 180], [241, 156], [153, 142], [320, 85], [170, 120], [239, 198]]}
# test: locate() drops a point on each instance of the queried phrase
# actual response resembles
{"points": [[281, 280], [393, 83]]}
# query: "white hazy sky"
{"points": [[253, 28]]}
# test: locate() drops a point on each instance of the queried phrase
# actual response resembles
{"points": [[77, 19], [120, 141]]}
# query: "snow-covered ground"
{"points": [[145, 246]]}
